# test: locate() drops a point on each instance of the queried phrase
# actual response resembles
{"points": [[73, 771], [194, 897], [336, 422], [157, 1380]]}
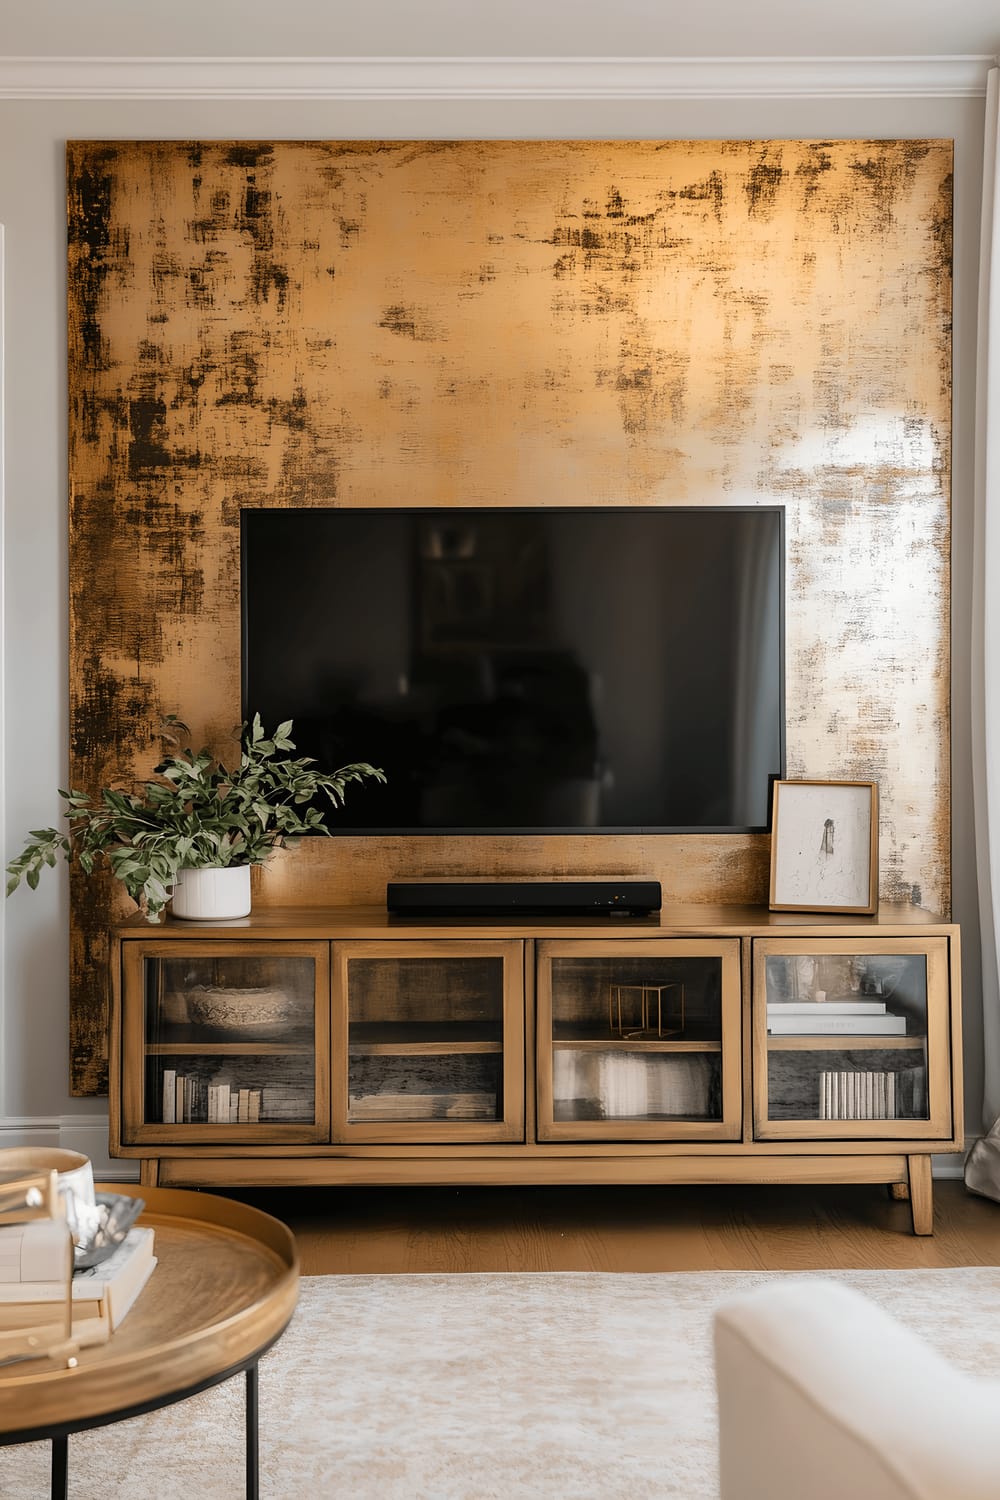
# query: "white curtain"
{"points": [[986, 603]]}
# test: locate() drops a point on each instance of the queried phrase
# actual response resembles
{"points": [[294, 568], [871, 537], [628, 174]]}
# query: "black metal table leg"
{"points": [[60, 1468], [253, 1466]]}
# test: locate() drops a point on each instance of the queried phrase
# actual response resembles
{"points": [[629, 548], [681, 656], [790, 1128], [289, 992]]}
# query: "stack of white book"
{"points": [[832, 1018], [626, 1085], [228, 1105], [33, 1280], [414, 1106]]}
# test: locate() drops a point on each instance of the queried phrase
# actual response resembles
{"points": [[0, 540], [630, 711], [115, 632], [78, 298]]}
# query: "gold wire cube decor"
{"points": [[630, 1010]]}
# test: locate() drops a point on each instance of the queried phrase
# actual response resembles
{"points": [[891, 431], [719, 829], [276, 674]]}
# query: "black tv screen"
{"points": [[525, 670]]}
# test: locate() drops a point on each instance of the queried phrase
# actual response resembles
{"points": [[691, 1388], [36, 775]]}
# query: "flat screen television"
{"points": [[525, 670]]}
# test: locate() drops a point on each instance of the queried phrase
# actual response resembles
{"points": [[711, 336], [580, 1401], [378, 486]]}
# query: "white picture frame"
{"points": [[824, 846]]}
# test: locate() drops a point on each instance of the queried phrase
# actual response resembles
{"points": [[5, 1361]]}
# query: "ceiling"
{"points": [[511, 28]]}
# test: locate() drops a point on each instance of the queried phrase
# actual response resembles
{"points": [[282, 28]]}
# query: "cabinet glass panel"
{"points": [[847, 1036], [636, 1038], [230, 1040], [425, 1039]]}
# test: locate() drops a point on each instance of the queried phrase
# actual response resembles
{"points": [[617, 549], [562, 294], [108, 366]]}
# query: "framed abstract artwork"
{"points": [[824, 846]]}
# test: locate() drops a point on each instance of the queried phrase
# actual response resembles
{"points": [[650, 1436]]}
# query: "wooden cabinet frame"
{"points": [[527, 1146], [936, 1051], [510, 1127], [136, 1129], [728, 1127]]}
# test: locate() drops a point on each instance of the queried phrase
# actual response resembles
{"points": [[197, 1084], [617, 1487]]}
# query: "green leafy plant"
{"points": [[198, 814]]}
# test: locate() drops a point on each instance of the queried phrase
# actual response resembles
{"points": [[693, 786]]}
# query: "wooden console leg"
{"points": [[921, 1194], [899, 1190], [149, 1171]]}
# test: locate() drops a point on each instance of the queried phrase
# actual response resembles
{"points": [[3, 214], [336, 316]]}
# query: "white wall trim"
{"points": [[948, 1167], [87, 1134], [493, 77]]}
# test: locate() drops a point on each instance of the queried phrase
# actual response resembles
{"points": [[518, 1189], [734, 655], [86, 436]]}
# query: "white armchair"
{"points": [[823, 1396]]}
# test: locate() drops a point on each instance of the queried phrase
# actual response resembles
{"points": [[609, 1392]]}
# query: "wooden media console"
{"points": [[705, 1044]]}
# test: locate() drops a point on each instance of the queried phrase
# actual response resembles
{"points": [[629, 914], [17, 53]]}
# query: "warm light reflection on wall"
{"points": [[528, 322]]}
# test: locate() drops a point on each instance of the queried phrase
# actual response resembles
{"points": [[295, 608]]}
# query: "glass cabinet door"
{"points": [[428, 1041], [226, 1041], [639, 1040], [851, 1039]]}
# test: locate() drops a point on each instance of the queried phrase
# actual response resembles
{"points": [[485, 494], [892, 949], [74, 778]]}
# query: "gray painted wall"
{"points": [[33, 1002]]}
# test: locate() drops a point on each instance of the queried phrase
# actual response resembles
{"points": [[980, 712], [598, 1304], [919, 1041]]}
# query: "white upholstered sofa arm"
{"points": [[823, 1396]]}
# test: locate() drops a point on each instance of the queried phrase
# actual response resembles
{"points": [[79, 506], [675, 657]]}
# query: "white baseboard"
{"points": [[948, 1166], [87, 1134]]}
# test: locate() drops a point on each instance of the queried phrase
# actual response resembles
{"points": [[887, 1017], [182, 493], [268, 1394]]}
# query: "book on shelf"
{"points": [[247, 1106], [226, 1105], [187, 1099], [635, 1084], [391, 1106], [169, 1096], [101, 1295], [834, 1025], [857, 1095], [826, 1007], [219, 1104]]}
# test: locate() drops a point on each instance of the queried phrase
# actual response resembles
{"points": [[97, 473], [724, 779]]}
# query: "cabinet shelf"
{"points": [[637, 1041], [421, 1049], [844, 1043], [636, 1044], [453, 1036], [228, 1049], [577, 1112]]}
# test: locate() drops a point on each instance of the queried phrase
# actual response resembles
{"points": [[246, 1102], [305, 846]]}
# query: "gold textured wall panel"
{"points": [[492, 323]]}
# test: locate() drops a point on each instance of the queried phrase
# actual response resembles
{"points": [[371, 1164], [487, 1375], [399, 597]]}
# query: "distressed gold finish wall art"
{"points": [[531, 322]]}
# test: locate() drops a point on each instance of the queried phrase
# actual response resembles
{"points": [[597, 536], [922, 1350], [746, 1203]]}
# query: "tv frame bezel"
{"points": [[338, 829]]}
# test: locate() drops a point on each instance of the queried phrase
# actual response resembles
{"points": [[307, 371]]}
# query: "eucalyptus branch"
{"points": [[197, 814]]}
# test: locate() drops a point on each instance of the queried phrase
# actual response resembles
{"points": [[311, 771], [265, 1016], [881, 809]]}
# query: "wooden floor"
{"points": [[394, 1230]]}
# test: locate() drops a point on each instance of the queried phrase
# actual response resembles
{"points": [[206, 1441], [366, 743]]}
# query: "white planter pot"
{"points": [[212, 895]]}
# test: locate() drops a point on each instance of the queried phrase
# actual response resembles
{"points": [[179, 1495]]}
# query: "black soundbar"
{"points": [[542, 897]]}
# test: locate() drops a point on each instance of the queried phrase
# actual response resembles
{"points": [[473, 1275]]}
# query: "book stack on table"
{"points": [[33, 1280]]}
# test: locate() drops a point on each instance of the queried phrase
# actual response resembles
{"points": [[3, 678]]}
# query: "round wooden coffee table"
{"points": [[223, 1291]]}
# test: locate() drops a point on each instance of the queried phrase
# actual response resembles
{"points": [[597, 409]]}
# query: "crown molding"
{"points": [[350, 78]]}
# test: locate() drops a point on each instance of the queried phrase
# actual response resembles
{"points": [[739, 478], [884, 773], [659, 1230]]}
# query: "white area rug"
{"points": [[554, 1386]]}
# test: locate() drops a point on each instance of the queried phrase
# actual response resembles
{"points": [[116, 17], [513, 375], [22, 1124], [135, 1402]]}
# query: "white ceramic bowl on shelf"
{"points": [[260, 1013]]}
